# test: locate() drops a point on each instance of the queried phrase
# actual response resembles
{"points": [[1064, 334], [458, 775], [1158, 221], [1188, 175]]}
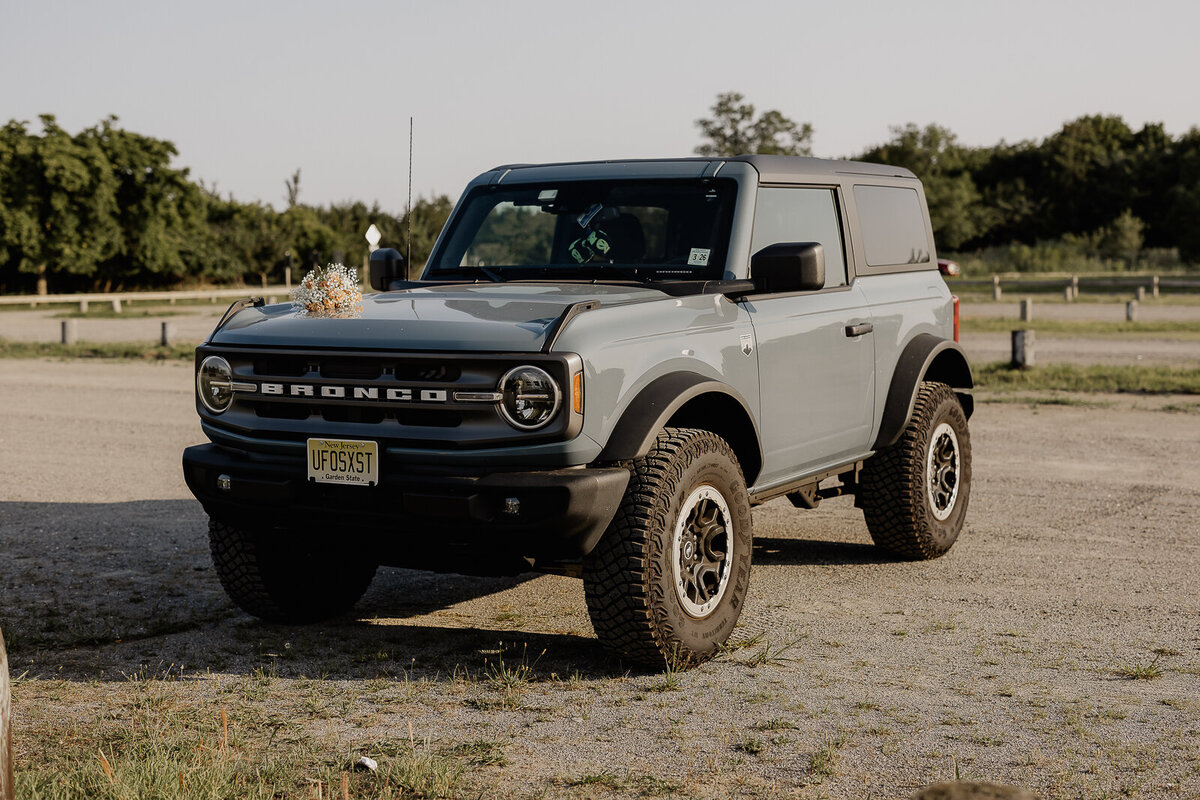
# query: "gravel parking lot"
{"points": [[1056, 647]]}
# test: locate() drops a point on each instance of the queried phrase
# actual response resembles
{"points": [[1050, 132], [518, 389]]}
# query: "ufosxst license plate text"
{"points": [[343, 461]]}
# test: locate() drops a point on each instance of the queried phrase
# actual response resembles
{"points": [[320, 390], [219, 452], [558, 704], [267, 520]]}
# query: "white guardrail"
{"points": [[115, 299]]}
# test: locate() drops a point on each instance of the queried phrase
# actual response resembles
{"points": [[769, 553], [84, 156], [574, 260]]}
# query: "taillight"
{"points": [[954, 297]]}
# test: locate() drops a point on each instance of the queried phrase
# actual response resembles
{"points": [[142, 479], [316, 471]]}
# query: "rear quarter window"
{"points": [[893, 226]]}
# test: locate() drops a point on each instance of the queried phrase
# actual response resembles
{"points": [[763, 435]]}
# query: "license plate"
{"points": [[342, 461]]}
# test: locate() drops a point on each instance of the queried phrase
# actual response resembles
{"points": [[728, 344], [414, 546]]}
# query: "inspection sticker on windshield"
{"points": [[698, 257]]}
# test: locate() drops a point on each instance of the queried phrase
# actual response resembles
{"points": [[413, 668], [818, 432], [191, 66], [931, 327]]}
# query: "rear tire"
{"points": [[287, 576], [915, 492], [666, 583]]}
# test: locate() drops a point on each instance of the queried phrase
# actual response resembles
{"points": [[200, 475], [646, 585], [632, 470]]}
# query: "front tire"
{"points": [[291, 577], [915, 492], [666, 583]]}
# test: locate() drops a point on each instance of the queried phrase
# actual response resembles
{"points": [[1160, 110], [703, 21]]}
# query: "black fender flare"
{"points": [[653, 407], [926, 357]]}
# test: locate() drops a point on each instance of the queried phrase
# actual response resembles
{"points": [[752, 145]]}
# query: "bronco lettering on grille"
{"points": [[334, 392]]}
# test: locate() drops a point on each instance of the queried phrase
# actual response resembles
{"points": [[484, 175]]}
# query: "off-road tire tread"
{"points": [[244, 573], [620, 594], [892, 480]]}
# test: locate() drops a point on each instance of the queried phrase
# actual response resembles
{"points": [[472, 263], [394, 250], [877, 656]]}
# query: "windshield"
{"points": [[591, 230]]}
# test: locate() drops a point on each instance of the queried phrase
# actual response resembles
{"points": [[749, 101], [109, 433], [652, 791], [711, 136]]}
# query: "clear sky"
{"points": [[250, 90]]}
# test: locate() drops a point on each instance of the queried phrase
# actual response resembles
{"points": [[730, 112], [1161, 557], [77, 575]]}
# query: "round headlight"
{"points": [[529, 397], [214, 384]]}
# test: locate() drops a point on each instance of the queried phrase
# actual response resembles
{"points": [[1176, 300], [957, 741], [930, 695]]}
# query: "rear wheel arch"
{"points": [[925, 358], [686, 400]]}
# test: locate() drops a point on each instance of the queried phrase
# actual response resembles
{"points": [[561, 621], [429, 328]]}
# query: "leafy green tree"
{"points": [[1122, 239], [1184, 197], [734, 130], [249, 238], [159, 210], [1088, 173], [59, 206]]}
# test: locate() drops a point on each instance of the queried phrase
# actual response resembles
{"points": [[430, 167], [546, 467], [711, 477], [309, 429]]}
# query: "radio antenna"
{"points": [[408, 258]]}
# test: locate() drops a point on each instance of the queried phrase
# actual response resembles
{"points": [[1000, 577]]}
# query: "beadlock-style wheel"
{"points": [[942, 466], [701, 551]]}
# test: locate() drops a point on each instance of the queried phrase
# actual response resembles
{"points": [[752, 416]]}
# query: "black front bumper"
{"points": [[417, 515]]}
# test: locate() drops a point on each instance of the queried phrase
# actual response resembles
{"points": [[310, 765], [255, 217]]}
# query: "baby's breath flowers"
{"points": [[327, 290]]}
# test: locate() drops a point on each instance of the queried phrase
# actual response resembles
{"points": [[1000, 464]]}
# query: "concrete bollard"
{"points": [[168, 334], [996, 293], [116, 305], [70, 332], [1075, 286], [1027, 309], [1154, 286], [1141, 293], [7, 782], [1068, 295], [1022, 349], [83, 306], [1131, 311], [287, 277]]}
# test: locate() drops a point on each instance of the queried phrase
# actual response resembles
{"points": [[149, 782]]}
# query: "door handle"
{"points": [[859, 329]]}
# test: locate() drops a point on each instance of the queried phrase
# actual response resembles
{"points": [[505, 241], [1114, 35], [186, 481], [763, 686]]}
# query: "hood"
{"points": [[491, 317]]}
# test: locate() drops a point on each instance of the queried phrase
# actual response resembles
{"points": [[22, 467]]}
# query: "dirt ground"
{"points": [[1014, 659]]}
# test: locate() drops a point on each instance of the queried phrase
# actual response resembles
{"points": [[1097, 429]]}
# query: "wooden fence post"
{"points": [[1154, 286], [996, 293], [1141, 293], [116, 305], [1022, 349], [7, 782]]}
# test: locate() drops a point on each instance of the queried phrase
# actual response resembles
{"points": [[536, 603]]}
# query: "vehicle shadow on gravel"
{"points": [[799, 552], [105, 590]]}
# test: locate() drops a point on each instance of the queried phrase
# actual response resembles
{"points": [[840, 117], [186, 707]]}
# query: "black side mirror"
{"points": [[789, 267], [387, 265]]}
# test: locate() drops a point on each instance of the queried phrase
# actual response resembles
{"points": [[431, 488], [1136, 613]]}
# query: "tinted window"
{"points": [[893, 226], [801, 215]]}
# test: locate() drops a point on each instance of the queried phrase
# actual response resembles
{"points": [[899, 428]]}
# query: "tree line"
{"points": [[1096, 191], [105, 209]]}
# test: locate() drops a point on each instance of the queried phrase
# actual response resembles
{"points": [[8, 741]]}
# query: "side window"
{"points": [[785, 214], [893, 225]]}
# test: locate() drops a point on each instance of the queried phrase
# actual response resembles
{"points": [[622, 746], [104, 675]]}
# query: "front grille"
{"points": [[403, 398]]}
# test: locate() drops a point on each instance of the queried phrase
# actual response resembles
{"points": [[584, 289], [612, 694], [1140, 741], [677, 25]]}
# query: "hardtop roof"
{"points": [[770, 168]]}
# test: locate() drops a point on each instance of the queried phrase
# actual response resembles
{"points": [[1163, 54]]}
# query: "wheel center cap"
{"points": [[689, 550]]}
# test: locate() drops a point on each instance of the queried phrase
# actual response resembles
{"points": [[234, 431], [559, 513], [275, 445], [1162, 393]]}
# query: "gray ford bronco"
{"points": [[602, 368]]}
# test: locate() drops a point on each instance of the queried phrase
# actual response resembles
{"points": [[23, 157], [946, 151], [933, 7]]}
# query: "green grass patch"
{"points": [[1176, 329], [154, 743], [1076, 378], [137, 351], [1043, 400]]}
